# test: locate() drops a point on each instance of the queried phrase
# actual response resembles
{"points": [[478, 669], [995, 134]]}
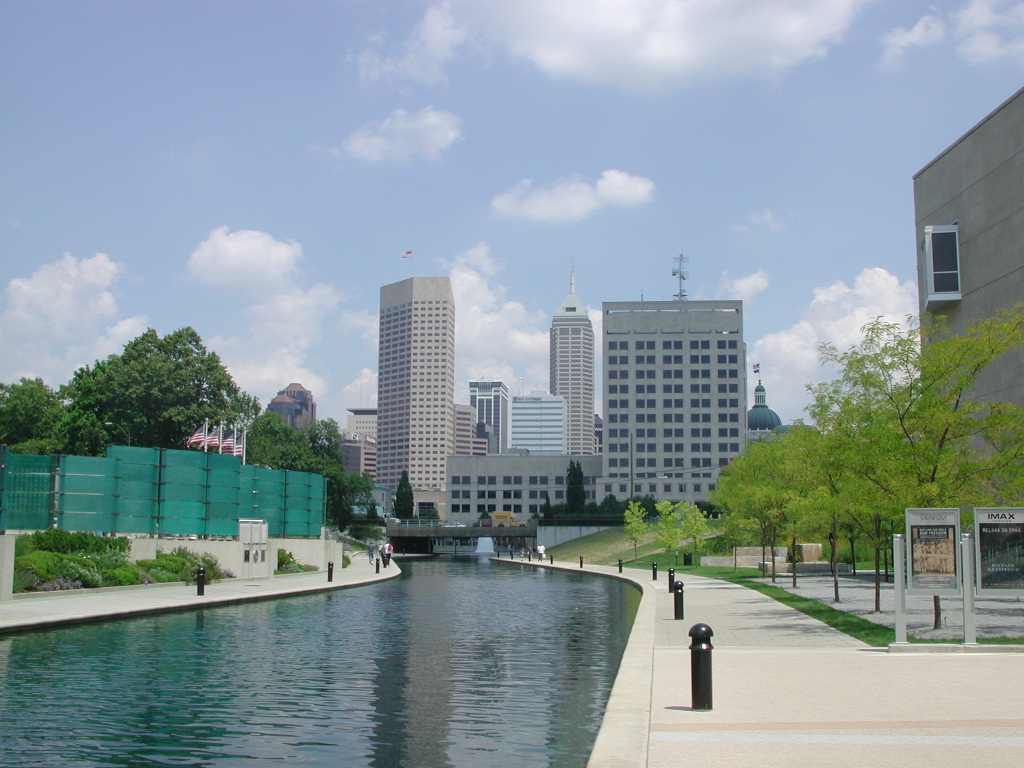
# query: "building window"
{"points": [[942, 262]]}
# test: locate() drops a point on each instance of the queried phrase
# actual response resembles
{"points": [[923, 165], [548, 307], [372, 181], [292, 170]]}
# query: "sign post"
{"points": [[933, 536], [999, 550]]}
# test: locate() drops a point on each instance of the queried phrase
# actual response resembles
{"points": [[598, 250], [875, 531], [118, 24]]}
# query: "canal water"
{"points": [[461, 662]]}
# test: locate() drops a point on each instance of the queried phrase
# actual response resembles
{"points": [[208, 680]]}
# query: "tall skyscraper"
{"points": [[538, 423], [572, 370], [490, 399], [416, 382], [674, 395]]}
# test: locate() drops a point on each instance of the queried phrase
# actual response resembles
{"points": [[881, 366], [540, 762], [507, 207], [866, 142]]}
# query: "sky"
{"points": [[256, 171]]}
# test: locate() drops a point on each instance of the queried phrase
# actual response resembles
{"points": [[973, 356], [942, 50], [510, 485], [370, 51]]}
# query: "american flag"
{"points": [[227, 443], [198, 439], [406, 254], [213, 438], [757, 367]]}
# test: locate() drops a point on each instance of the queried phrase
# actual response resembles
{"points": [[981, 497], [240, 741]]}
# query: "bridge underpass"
{"points": [[437, 537]]}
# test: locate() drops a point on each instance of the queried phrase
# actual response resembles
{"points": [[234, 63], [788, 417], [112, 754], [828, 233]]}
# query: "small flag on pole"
{"points": [[406, 254], [198, 439], [227, 443], [757, 367]]}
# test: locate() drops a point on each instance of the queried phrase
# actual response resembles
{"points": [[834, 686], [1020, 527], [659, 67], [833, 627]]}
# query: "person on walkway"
{"points": [[369, 551], [540, 551], [386, 551]]}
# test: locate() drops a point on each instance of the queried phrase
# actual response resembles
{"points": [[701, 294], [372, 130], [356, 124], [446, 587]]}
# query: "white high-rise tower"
{"points": [[572, 370], [416, 382]]}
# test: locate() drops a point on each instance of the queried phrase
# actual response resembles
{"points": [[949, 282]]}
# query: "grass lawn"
{"points": [[606, 547]]}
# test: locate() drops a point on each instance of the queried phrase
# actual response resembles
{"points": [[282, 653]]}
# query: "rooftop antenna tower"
{"points": [[680, 272]]}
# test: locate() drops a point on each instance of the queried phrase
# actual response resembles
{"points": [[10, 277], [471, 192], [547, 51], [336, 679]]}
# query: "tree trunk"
{"points": [[793, 558], [833, 538], [853, 554], [878, 563], [937, 609]]}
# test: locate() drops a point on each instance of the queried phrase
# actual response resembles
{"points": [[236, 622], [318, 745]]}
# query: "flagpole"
{"points": [[206, 434]]}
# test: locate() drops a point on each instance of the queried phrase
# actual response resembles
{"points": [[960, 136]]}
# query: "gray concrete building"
{"points": [[416, 383], [489, 398], [969, 210], [674, 384], [479, 486]]}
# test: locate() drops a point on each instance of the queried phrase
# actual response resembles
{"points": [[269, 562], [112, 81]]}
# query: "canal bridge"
{"points": [[438, 536]]}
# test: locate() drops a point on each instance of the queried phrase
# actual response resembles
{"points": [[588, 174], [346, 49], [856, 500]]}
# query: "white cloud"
{"points": [[765, 219], [572, 199], [495, 336], [897, 42], [632, 44], [245, 261], [432, 44], [285, 319], [401, 136], [62, 317], [742, 288], [789, 358], [983, 31]]}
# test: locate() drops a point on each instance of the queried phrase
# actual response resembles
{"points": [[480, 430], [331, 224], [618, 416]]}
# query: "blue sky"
{"points": [[255, 171]]}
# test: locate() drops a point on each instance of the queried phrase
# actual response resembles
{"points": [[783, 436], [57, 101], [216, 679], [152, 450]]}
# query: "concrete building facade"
{"points": [[969, 210], [479, 486], [416, 382], [572, 371], [538, 423], [674, 384]]}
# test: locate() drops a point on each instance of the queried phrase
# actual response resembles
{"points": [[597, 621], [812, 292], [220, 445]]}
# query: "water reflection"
{"points": [[459, 663]]}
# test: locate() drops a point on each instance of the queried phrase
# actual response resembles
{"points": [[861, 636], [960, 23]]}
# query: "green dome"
{"points": [[761, 418]]}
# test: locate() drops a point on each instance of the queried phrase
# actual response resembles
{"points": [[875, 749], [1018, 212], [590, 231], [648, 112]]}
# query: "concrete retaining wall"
{"points": [[231, 554], [550, 535]]}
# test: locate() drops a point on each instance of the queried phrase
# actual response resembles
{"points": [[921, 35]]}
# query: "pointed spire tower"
{"points": [[572, 369]]}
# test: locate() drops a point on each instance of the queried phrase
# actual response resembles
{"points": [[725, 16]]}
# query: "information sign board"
{"points": [[999, 550], [933, 537]]}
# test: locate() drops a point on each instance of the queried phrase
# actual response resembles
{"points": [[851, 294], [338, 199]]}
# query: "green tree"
{"points": [[693, 524], [668, 531], [154, 394], [634, 524], [30, 417], [403, 498], [575, 493], [906, 429]]}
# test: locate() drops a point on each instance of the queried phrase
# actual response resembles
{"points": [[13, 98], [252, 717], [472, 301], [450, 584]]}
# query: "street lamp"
{"points": [[125, 432]]}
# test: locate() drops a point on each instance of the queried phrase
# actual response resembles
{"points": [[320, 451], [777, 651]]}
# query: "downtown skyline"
{"points": [[257, 175]]}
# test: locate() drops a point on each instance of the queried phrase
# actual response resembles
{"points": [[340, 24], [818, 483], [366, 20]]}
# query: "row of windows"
{"points": [[674, 373], [694, 432], [723, 402], [672, 359], [695, 389], [510, 480], [667, 463], [642, 418], [674, 344]]}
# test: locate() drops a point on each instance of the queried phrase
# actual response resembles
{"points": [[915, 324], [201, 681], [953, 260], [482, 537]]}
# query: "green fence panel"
{"points": [[86, 465], [105, 484], [223, 462], [96, 503], [132, 489], [133, 455], [193, 459], [178, 475], [222, 478], [177, 492], [86, 521], [25, 519], [223, 494], [134, 524], [180, 526], [136, 508], [142, 473], [222, 527]]}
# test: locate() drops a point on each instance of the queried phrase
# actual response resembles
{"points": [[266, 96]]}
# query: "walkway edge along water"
{"points": [[46, 610], [789, 690]]}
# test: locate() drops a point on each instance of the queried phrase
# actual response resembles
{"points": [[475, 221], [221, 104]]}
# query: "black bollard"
{"points": [[671, 578], [581, 561], [700, 667], [677, 599], [529, 556], [330, 571], [620, 565], [201, 581], [378, 565], [654, 571], [551, 560]]}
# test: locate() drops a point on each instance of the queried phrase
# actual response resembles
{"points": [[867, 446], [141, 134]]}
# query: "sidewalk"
{"points": [[789, 690], [40, 610]]}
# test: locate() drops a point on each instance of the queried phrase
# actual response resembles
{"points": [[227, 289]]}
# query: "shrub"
{"points": [[194, 561], [161, 576], [81, 570], [43, 564], [24, 579], [124, 576]]}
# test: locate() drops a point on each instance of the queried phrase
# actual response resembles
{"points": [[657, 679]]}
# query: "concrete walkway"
{"points": [[40, 610], [788, 690]]}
